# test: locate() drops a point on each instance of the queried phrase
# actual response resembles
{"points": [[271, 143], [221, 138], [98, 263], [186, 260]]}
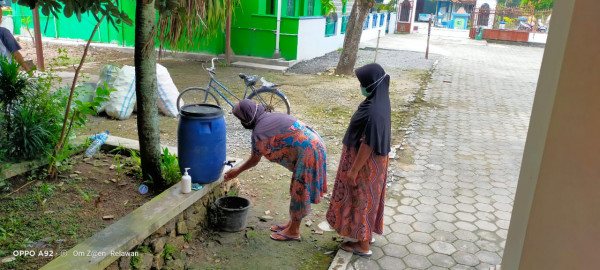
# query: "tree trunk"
{"points": [[147, 92], [39, 50], [354, 29], [228, 33]]}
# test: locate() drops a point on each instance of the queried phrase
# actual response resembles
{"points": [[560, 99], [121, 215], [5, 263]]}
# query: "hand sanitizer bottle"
{"points": [[186, 182]]}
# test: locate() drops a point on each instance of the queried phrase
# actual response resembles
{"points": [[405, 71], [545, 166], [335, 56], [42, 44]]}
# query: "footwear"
{"points": [[276, 228], [285, 237], [355, 251], [354, 240]]}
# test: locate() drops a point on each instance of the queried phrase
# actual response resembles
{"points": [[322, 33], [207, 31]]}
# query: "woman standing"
{"points": [[283, 139], [357, 203]]}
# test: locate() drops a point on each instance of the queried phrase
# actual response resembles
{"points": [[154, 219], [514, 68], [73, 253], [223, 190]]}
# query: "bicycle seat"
{"points": [[249, 80]]}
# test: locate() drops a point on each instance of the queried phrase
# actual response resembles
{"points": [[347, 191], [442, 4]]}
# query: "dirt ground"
{"points": [[68, 210], [323, 101]]}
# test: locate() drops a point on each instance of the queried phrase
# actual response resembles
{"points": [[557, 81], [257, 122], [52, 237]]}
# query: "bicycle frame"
{"points": [[215, 89], [211, 72]]}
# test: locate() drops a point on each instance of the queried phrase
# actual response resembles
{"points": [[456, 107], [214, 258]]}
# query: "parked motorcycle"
{"points": [[541, 27], [523, 26]]}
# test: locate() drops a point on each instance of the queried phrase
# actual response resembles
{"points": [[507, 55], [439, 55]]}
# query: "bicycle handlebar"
{"points": [[212, 62]]}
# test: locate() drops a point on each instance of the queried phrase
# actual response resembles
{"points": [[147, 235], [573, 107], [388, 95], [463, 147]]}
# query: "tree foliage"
{"points": [[327, 7], [181, 21], [538, 4], [389, 7], [97, 8]]}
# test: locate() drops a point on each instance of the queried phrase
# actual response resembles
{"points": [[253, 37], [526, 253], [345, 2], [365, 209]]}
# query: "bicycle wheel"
{"points": [[272, 99], [197, 95]]}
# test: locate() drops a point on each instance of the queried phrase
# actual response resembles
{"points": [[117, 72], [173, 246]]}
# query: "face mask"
{"points": [[378, 81], [364, 92]]}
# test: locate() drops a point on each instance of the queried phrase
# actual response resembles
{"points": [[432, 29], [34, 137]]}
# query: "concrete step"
{"points": [[259, 66], [265, 61]]}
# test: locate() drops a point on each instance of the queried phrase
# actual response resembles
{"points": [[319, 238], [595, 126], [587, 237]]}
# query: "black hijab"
{"points": [[373, 117], [263, 124]]}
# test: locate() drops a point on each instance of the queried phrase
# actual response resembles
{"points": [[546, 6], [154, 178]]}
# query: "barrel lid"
{"points": [[202, 111]]}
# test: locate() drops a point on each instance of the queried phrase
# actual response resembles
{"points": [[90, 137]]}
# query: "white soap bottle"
{"points": [[186, 182]]}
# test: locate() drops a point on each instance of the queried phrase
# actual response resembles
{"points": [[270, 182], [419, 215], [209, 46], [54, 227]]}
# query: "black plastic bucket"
{"points": [[232, 212]]}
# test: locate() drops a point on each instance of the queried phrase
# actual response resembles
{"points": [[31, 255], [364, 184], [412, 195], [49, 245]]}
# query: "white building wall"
{"points": [[312, 41]]}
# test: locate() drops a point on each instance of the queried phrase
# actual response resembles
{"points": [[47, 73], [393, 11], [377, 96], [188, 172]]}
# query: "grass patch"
{"points": [[320, 259], [56, 214], [334, 117]]}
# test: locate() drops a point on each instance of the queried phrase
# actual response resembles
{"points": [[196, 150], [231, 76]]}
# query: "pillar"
{"points": [[556, 217]]}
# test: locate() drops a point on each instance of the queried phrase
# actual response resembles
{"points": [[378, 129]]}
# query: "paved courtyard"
{"points": [[451, 209]]}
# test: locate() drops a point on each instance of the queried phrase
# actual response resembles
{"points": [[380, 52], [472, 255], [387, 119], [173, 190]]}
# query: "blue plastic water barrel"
{"points": [[201, 142]]}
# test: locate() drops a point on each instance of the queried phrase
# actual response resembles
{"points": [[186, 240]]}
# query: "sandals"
{"points": [[354, 240], [355, 251], [276, 228], [285, 237]]}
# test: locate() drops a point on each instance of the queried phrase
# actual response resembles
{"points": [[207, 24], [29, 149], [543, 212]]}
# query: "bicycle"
{"points": [[268, 95]]}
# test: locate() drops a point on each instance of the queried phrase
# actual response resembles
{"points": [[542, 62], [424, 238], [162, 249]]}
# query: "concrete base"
{"points": [[276, 55], [341, 260], [259, 66]]}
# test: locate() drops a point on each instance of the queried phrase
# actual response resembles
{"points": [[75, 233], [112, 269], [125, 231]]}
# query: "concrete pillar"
{"points": [[556, 217]]}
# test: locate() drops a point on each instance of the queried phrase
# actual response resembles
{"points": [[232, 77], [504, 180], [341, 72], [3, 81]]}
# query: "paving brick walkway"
{"points": [[451, 208]]}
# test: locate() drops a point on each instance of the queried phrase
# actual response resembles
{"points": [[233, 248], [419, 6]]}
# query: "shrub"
{"points": [[170, 167], [31, 115], [28, 115], [28, 137], [12, 84]]}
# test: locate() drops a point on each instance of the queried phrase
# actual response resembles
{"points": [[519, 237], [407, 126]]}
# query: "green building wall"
{"points": [[124, 35], [253, 28]]}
